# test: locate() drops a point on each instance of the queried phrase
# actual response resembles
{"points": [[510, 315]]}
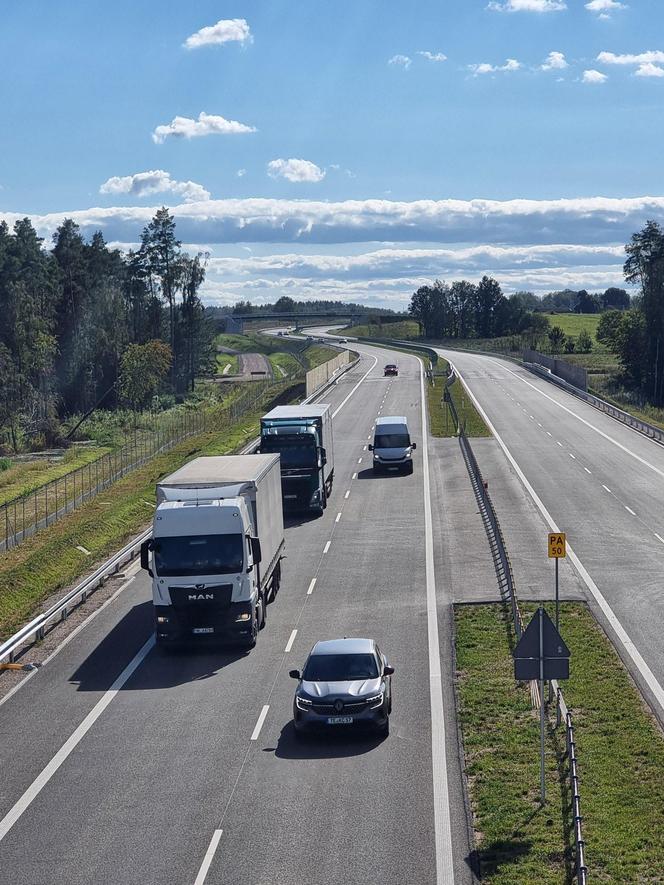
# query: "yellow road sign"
{"points": [[557, 545]]}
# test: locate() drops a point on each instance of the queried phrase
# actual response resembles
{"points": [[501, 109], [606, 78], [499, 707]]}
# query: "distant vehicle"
{"points": [[281, 334], [303, 437], [310, 338], [391, 369], [343, 341], [392, 448], [345, 683], [216, 547]]}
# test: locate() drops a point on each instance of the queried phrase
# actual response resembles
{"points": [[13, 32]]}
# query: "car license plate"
{"points": [[339, 720], [203, 630], [290, 496]]}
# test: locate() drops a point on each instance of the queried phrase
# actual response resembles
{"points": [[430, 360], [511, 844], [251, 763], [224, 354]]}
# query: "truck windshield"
{"points": [[294, 453], [199, 555], [340, 668], [391, 441]]}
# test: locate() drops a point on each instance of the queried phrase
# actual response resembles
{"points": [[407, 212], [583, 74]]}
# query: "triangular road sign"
{"points": [[527, 653]]}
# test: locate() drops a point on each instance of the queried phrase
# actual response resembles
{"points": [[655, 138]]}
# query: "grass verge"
{"points": [[285, 361], [620, 750], [223, 360], [23, 477], [50, 561]]}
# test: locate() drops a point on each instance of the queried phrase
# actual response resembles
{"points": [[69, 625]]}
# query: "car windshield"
{"points": [[199, 555], [293, 453], [391, 440], [340, 668]]}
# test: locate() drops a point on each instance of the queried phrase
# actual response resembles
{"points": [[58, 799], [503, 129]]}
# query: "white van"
{"points": [[392, 448]]}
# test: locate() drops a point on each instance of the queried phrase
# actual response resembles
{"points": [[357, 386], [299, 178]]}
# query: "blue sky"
{"points": [[351, 149]]}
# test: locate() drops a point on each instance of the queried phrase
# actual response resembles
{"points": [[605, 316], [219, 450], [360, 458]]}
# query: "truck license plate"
{"points": [[339, 720], [203, 630]]}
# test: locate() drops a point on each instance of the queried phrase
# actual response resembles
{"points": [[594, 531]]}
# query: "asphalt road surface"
{"points": [[121, 764], [600, 482]]}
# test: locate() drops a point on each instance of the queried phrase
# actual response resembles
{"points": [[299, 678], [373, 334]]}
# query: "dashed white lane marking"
{"points": [[327, 546], [538, 424], [659, 537], [73, 741], [209, 857], [548, 433], [606, 488], [259, 723], [572, 456], [629, 510], [532, 417], [366, 374], [559, 443], [364, 448], [291, 640], [311, 586], [587, 471], [359, 460], [338, 517], [622, 635], [354, 476], [347, 494]]}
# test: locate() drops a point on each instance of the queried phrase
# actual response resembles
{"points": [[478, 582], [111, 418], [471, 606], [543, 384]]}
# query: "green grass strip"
{"points": [[619, 746]]}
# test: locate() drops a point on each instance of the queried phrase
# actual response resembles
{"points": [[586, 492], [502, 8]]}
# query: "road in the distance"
{"points": [[602, 483], [187, 748]]}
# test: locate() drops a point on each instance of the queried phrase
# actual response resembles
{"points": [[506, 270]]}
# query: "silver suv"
{"points": [[345, 683]]}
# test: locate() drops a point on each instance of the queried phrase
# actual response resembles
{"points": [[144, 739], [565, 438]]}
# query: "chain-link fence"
{"points": [[24, 515]]}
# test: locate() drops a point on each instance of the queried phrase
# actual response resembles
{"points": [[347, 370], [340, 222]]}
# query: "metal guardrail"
{"points": [[644, 427], [561, 706], [58, 612]]}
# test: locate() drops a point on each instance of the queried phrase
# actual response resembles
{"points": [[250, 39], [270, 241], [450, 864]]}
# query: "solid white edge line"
{"points": [[441, 802], [629, 510], [606, 488], [327, 546], [136, 566], [630, 648], [72, 742], [311, 586], [659, 537], [209, 857], [259, 723], [291, 640]]}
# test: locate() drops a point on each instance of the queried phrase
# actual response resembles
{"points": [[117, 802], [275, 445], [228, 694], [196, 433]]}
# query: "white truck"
{"points": [[216, 547]]}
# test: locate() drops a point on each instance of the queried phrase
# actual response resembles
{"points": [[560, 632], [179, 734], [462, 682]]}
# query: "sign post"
{"points": [[541, 654], [557, 550]]}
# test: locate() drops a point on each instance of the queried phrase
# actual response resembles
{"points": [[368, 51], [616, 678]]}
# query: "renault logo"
{"points": [[338, 706]]}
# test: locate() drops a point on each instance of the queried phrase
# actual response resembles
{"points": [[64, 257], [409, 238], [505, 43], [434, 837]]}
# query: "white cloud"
{"points": [[648, 69], [206, 124], [527, 5], [402, 60], [155, 181], [653, 56], [555, 61], [241, 173], [594, 77], [225, 31], [485, 68], [432, 56], [295, 170], [604, 8], [589, 221]]}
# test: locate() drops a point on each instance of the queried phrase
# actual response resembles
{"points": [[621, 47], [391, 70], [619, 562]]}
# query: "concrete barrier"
{"points": [[322, 374]]}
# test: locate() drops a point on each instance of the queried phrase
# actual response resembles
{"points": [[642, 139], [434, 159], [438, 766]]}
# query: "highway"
{"points": [[126, 765], [599, 481]]}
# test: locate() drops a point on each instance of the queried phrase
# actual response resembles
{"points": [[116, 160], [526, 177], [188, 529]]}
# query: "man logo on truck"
{"points": [[201, 596]]}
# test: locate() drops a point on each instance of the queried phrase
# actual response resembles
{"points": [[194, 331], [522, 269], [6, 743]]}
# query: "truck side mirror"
{"points": [[146, 546], [413, 445], [294, 674], [323, 456], [256, 550], [370, 447]]}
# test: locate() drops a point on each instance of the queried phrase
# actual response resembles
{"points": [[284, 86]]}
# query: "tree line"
{"points": [[465, 310], [80, 321]]}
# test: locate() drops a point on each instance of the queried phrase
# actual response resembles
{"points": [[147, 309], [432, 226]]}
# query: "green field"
{"points": [[406, 329], [25, 476], [224, 359], [620, 750], [573, 323]]}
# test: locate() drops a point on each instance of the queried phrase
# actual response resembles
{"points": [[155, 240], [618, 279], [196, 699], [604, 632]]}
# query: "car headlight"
{"points": [[302, 703], [409, 454], [245, 616], [376, 700], [161, 619]]}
